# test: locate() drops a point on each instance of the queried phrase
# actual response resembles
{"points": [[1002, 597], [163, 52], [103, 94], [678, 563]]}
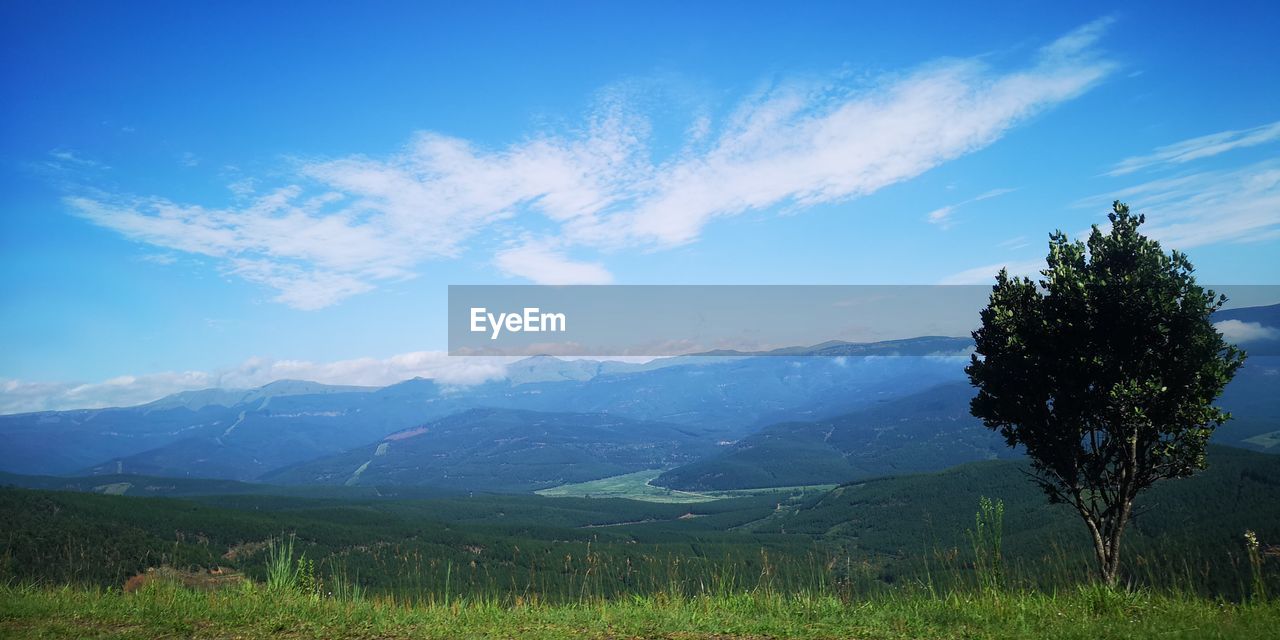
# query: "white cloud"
{"points": [[1198, 148], [159, 258], [994, 193], [243, 188], [942, 215], [987, 274], [811, 145], [543, 264], [342, 226], [1237, 331], [71, 157], [1016, 242], [18, 396], [1230, 205]]}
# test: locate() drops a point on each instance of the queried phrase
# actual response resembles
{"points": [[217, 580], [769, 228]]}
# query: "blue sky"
{"points": [[198, 195]]}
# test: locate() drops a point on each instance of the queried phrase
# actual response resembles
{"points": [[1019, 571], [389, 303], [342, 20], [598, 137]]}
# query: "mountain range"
{"points": [[830, 413]]}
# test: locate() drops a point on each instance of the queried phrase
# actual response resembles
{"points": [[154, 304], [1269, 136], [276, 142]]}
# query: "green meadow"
{"points": [[165, 611], [906, 557], [636, 486]]}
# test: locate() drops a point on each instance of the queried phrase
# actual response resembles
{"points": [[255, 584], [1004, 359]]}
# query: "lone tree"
{"points": [[1105, 372]]}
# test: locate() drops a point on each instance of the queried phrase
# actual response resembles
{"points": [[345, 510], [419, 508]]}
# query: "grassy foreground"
{"points": [[161, 611]]}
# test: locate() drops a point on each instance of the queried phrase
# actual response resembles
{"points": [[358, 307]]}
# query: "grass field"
{"points": [[1265, 440], [163, 611], [635, 486]]}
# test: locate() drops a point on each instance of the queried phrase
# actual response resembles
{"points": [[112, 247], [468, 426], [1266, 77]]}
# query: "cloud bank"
{"points": [[340, 227], [1237, 331], [17, 396]]}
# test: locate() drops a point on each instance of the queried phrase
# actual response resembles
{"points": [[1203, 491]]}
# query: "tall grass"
{"points": [[1090, 612], [571, 573], [587, 575], [283, 574], [575, 592], [986, 539], [1259, 584]]}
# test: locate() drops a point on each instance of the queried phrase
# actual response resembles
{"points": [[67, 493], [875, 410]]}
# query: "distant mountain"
{"points": [[727, 398], [551, 369], [921, 346], [1253, 398], [929, 431], [926, 431], [506, 450], [1268, 315], [153, 486], [60, 442], [197, 435], [196, 400]]}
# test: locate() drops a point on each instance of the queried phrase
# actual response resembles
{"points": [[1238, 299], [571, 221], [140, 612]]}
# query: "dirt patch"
{"points": [[243, 550], [213, 579]]}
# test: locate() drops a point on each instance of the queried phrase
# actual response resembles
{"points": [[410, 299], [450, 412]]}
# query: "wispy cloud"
{"points": [[71, 157], [1016, 242], [1229, 205], [17, 396], [543, 263], [994, 193], [163, 259], [1209, 207], [345, 225], [942, 215], [986, 274], [67, 167], [1198, 148]]}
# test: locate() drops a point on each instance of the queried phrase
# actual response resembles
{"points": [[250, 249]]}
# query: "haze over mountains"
{"points": [[831, 413]]}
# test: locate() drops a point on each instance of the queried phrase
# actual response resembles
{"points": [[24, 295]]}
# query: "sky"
{"points": [[223, 194]]}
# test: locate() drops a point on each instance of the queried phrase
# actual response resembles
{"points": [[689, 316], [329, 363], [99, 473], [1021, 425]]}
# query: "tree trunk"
{"points": [[1110, 568], [1107, 560], [1106, 533]]}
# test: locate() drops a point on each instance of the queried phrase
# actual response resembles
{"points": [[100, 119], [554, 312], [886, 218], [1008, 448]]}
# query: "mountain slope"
{"points": [[236, 434], [909, 514], [506, 450], [929, 431], [281, 425], [1253, 398], [196, 400], [926, 431], [727, 398]]}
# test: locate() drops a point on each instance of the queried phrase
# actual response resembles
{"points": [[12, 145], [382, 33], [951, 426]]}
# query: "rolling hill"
{"points": [[910, 515], [883, 530], [506, 450], [927, 431]]}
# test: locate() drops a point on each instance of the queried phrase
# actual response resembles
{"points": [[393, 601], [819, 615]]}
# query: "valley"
{"points": [[850, 475]]}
